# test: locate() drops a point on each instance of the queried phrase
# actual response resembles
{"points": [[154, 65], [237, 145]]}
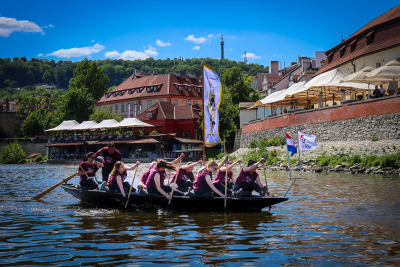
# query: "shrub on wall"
{"points": [[12, 153]]}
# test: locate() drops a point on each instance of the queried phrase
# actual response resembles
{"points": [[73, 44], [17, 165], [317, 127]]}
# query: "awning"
{"points": [[64, 126], [132, 122], [188, 141], [86, 125], [140, 141], [104, 124], [278, 96]]}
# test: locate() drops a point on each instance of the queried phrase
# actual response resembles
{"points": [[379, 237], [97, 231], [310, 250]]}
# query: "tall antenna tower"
{"points": [[222, 47], [245, 57]]}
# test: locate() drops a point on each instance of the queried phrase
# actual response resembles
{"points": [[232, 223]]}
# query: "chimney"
{"points": [[137, 73], [191, 75], [274, 67], [155, 73], [176, 73]]}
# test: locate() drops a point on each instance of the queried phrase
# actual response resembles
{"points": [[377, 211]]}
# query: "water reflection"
{"points": [[330, 220]]}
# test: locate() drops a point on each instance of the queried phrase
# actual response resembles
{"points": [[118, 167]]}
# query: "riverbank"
{"points": [[328, 156]]}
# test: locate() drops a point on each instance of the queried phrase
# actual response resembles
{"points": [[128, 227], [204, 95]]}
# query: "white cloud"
{"points": [[230, 36], [132, 54], [196, 47], [210, 36], [92, 41], [195, 40], [161, 43], [10, 25], [51, 26], [251, 56], [40, 55], [77, 52]]}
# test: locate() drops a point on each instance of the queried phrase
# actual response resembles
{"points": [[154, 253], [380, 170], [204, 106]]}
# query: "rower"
{"points": [[118, 176], [184, 176], [110, 157], [203, 182], [155, 182], [249, 180], [222, 173], [145, 176], [87, 170]]}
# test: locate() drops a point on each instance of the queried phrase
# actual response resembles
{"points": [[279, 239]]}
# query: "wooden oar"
{"points": [[226, 183], [130, 190], [38, 196], [265, 177], [176, 178]]}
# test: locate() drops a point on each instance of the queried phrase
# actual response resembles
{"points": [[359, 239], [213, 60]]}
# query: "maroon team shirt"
{"points": [[200, 180], [150, 181], [113, 179], [86, 167], [108, 159], [221, 177], [182, 176], [245, 178], [146, 175]]}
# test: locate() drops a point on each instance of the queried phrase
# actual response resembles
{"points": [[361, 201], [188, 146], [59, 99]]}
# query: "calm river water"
{"points": [[330, 219]]}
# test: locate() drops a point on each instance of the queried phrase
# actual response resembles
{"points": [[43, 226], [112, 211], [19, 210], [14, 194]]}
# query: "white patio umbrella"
{"points": [[131, 122], [360, 77], [391, 72]]}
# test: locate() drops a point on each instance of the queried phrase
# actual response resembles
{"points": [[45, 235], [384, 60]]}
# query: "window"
{"points": [[149, 115], [398, 59], [129, 108], [155, 88], [148, 89], [116, 107], [179, 133], [189, 101], [378, 64], [111, 109], [114, 94], [138, 90], [107, 95], [189, 89], [175, 102], [180, 88], [122, 107], [120, 93], [184, 102], [149, 103], [187, 134], [130, 91]]}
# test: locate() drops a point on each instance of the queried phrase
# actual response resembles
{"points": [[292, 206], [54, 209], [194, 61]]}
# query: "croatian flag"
{"points": [[291, 146], [306, 141]]}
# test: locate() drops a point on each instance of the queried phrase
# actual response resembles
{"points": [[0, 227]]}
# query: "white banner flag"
{"points": [[212, 100], [306, 141]]}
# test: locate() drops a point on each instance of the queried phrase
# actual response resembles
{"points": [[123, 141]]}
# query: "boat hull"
{"points": [[179, 204]]}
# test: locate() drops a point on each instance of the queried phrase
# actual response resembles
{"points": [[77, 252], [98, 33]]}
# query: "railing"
{"points": [[100, 138]]}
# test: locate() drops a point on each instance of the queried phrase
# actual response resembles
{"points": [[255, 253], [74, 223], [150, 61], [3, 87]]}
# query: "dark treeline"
{"points": [[20, 72]]}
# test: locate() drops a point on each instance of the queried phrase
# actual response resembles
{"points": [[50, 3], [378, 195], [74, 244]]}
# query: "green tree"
{"points": [[12, 153], [88, 75], [104, 113], [33, 124], [228, 113], [77, 104]]}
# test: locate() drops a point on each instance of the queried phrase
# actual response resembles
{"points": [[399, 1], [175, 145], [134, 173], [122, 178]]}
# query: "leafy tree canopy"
{"points": [[104, 113]]}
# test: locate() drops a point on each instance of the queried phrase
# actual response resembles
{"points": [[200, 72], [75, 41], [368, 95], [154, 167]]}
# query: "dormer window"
{"points": [[370, 37], [130, 91], [189, 88], [199, 81], [155, 88], [187, 79], [353, 46], [180, 88], [148, 89], [149, 115], [138, 90], [107, 95], [120, 93], [114, 94], [330, 57], [342, 51], [198, 89]]}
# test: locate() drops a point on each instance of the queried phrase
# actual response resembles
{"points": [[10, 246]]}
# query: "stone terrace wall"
{"points": [[348, 122], [10, 124]]}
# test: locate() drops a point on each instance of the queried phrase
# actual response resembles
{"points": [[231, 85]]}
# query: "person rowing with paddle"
{"points": [[222, 173], [118, 176], [155, 182], [184, 176], [249, 180], [145, 176], [87, 170], [203, 182]]}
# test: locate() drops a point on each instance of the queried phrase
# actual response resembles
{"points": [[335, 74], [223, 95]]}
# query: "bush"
{"points": [[374, 138], [22, 161], [38, 158], [264, 142], [138, 132], [154, 132], [12, 153]]}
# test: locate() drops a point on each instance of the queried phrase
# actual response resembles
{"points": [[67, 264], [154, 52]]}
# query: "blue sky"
{"points": [[267, 30]]}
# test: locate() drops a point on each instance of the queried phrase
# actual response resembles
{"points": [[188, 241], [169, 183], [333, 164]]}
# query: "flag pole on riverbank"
{"points": [[288, 157], [301, 172]]}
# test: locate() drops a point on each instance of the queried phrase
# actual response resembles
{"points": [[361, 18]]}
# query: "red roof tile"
{"points": [[166, 110]]}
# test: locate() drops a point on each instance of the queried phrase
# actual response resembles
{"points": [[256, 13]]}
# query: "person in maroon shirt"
{"points": [[145, 176], [90, 167], [203, 182], [231, 176], [155, 182], [110, 157], [184, 176], [118, 176], [249, 179]]}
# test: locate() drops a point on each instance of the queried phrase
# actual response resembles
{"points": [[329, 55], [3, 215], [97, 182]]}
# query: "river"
{"points": [[331, 219]]}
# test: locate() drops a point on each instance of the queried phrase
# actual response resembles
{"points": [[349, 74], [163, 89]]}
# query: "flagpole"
{"points": [[204, 110], [298, 145], [288, 157]]}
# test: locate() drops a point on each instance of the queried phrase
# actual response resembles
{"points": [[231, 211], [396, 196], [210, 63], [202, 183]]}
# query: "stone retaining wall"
{"points": [[348, 122]]}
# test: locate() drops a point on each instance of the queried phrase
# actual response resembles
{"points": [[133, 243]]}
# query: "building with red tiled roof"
{"points": [[374, 45], [169, 118], [141, 90]]}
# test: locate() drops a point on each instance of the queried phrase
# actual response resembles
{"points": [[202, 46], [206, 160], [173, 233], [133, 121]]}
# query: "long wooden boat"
{"points": [[178, 203]]}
